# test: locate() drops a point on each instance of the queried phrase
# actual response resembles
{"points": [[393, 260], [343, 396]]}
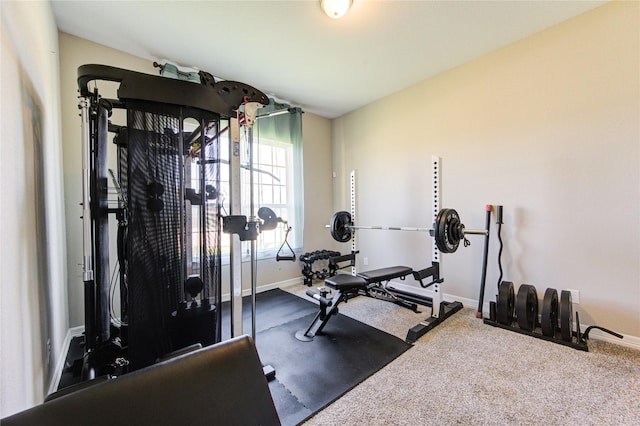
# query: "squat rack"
{"points": [[440, 309]]}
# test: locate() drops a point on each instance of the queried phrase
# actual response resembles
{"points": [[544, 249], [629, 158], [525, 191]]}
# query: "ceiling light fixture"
{"points": [[335, 8]]}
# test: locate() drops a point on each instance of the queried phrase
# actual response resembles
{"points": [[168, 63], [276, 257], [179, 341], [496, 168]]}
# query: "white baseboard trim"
{"points": [[628, 341], [57, 374], [266, 287]]}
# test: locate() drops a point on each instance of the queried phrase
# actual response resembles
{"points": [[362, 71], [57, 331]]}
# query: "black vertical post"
{"points": [[100, 216], [484, 262], [499, 223]]}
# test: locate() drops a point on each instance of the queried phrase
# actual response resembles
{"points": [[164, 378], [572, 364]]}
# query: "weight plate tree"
{"points": [[506, 299], [565, 313], [549, 314], [527, 307], [556, 320]]}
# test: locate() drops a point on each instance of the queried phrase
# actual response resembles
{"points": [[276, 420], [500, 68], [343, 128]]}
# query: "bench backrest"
{"points": [[222, 384]]}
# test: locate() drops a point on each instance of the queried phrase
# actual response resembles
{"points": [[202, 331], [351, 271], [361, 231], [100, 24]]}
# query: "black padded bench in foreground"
{"points": [[221, 384]]}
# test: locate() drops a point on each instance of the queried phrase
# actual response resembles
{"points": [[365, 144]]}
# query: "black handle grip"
{"points": [[291, 258], [324, 302]]}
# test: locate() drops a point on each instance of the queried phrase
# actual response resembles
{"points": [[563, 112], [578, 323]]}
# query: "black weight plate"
{"points": [[446, 221], [340, 226], [504, 308], [565, 313], [527, 307], [155, 189], [193, 286], [438, 231], [155, 204], [266, 214], [549, 313], [269, 219]]}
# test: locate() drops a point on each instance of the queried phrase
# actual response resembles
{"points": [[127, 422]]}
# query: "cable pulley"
{"points": [[447, 230]]}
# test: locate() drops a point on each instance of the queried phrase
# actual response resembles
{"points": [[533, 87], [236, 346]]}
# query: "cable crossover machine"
{"points": [[447, 232], [168, 159]]}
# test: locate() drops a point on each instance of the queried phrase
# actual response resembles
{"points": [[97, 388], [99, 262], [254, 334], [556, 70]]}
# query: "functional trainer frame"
{"points": [[168, 212]]}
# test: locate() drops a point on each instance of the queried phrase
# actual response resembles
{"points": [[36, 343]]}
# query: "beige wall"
{"points": [[548, 127], [32, 260], [318, 183], [317, 158]]}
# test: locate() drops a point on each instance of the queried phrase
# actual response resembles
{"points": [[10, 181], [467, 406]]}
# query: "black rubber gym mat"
{"points": [[311, 375], [273, 308]]}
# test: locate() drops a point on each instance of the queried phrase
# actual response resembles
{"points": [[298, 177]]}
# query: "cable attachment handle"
{"points": [[270, 220], [291, 257]]}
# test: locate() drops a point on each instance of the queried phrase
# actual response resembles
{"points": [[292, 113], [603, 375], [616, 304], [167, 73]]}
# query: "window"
{"points": [[277, 164], [274, 188]]}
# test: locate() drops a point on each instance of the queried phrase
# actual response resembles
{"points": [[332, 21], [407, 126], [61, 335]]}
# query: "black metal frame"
{"points": [[109, 348], [579, 340], [222, 97]]}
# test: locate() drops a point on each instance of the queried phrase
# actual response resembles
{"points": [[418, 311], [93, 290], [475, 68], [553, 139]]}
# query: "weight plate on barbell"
{"points": [[340, 226], [549, 313], [527, 307], [446, 230], [504, 309], [565, 313]]}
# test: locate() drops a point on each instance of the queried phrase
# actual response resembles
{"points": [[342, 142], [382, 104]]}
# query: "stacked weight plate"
{"points": [[519, 312]]}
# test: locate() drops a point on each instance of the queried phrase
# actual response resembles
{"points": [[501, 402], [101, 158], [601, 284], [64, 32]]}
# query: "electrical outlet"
{"points": [[365, 261], [575, 296]]}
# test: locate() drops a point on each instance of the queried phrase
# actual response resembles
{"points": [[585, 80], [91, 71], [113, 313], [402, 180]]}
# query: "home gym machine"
{"points": [[168, 213], [448, 231]]}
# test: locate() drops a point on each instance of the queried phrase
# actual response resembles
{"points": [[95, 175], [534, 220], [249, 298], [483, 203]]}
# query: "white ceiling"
{"points": [[291, 50]]}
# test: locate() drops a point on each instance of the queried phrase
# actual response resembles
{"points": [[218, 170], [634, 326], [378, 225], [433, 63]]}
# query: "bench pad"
{"points": [[385, 274], [222, 384], [345, 282]]}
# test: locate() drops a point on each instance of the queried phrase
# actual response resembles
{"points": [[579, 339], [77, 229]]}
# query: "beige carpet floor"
{"points": [[465, 372]]}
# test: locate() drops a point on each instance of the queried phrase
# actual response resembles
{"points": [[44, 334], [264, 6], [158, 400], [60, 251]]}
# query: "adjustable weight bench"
{"points": [[376, 284], [347, 287]]}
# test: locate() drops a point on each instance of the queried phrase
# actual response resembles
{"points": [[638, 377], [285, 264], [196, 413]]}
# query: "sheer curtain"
{"points": [[287, 128]]}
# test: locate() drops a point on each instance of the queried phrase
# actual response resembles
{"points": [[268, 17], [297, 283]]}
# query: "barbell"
{"points": [[447, 230]]}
